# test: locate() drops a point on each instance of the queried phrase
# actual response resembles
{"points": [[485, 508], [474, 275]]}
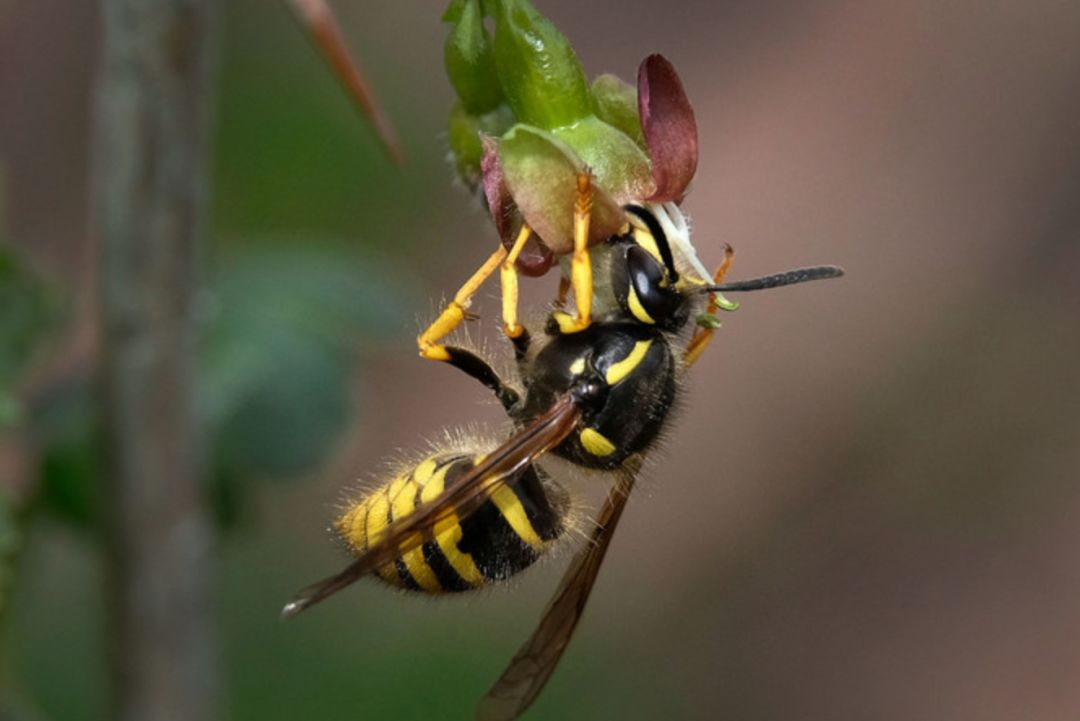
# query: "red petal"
{"points": [[667, 121], [500, 204]]}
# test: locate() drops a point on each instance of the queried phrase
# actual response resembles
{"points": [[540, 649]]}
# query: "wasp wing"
{"points": [[467, 494], [531, 668]]}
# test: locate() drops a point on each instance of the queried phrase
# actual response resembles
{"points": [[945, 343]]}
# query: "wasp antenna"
{"points": [[776, 280]]}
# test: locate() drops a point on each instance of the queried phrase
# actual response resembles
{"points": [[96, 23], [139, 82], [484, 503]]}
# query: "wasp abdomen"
{"points": [[503, 537]]}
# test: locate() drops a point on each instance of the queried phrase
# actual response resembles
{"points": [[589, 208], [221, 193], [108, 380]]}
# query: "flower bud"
{"points": [[540, 172], [616, 103], [539, 71], [466, 132], [618, 165], [469, 59]]}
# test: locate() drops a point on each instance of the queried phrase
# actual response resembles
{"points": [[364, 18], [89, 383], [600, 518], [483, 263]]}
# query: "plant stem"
{"points": [[151, 184]]}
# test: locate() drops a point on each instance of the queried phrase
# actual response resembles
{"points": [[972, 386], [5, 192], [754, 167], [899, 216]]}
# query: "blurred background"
{"points": [[868, 506]]}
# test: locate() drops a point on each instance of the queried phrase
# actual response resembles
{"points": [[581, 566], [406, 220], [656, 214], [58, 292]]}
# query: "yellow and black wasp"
{"points": [[597, 396]]}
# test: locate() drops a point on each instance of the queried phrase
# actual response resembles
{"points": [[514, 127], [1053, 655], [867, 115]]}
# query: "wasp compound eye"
{"points": [[649, 296]]}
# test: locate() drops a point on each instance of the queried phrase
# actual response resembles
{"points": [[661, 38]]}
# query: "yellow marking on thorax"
{"points": [[595, 443], [578, 366], [511, 509], [402, 493], [626, 366], [637, 308], [448, 532]]}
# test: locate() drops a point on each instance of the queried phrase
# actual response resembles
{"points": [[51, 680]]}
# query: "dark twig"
{"points": [[153, 121], [319, 21]]}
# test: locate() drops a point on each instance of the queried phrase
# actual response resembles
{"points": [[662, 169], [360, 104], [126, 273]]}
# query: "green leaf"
{"points": [[10, 410], [541, 174], [27, 311], [620, 167], [276, 388], [67, 426], [10, 541], [297, 402], [465, 138]]}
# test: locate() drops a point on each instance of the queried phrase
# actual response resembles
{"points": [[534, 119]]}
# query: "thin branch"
{"points": [[321, 24], [153, 121]]}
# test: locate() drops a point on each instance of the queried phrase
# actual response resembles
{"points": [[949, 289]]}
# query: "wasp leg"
{"points": [[703, 336], [564, 290], [454, 312], [476, 367], [508, 278], [521, 342], [580, 267]]}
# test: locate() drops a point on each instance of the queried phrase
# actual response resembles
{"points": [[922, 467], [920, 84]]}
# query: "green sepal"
{"points": [[453, 11], [539, 71], [469, 61], [465, 134], [541, 172], [618, 165], [615, 101], [457, 7]]}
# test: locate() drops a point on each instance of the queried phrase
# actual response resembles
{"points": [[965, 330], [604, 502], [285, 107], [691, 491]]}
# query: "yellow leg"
{"points": [[509, 279], [564, 290], [454, 313], [703, 336], [580, 266]]}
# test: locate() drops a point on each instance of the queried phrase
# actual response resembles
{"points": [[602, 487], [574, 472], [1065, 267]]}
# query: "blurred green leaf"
{"points": [[27, 310], [67, 426], [10, 410], [283, 325], [10, 539], [288, 409], [16, 710], [285, 322]]}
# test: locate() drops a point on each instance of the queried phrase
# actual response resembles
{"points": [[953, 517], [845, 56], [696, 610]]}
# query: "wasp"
{"points": [[597, 397]]}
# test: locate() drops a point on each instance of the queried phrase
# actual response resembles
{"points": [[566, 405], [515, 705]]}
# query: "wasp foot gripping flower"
{"points": [[528, 123]]}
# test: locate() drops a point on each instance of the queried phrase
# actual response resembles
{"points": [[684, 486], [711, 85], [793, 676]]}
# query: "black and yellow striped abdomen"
{"points": [[503, 537]]}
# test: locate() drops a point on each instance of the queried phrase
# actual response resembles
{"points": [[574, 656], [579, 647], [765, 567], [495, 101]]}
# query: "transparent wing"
{"points": [[467, 494], [531, 668]]}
